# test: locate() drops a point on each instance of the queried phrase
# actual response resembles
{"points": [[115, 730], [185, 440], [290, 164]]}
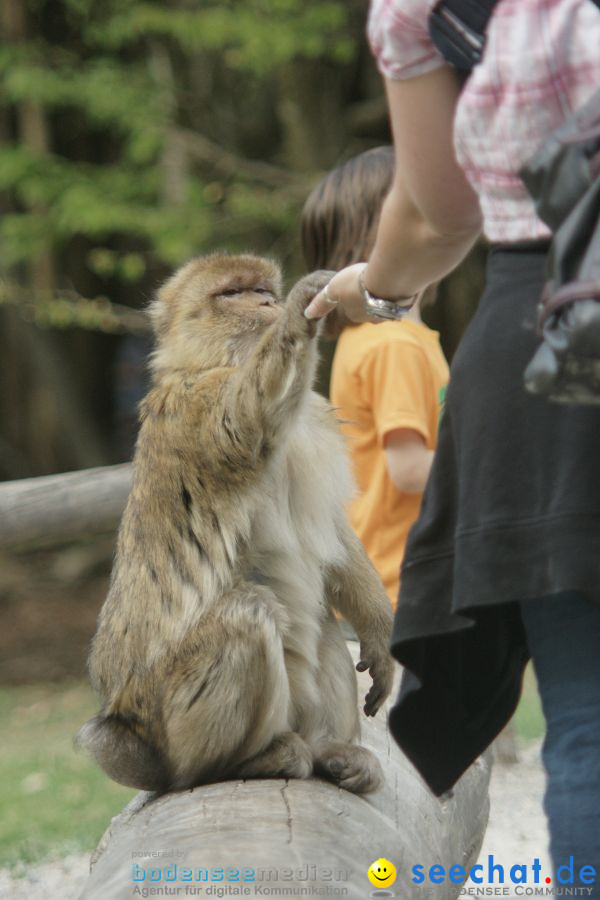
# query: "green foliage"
{"points": [[104, 91], [254, 35], [128, 266], [113, 85]]}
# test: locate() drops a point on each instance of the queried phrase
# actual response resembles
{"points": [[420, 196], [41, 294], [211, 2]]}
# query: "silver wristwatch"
{"points": [[384, 309]]}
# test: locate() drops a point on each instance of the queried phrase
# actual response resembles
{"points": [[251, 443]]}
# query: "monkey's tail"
{"points": [[125, 756]]}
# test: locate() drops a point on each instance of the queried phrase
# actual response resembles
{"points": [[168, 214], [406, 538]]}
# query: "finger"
{"points": [[369, 701], [320, 306], [373, 701], [371, 707]]}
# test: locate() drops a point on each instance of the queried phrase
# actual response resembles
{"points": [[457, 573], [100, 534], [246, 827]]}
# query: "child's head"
{"points": [[340, 219], [340, 216]]}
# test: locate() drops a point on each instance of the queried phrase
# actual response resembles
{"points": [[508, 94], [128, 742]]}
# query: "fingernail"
{"points": [[309, 311]]}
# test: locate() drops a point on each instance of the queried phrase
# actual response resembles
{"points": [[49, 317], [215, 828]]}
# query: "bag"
{"points": [[563, 178]]}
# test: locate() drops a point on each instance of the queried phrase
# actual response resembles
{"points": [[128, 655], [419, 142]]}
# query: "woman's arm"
{"points": [[431, 217]]}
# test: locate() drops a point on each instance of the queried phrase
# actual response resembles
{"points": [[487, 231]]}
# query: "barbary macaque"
{"points": [[217, 653]]}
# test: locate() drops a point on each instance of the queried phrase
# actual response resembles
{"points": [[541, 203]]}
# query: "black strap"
{"points": [[457, 29]]}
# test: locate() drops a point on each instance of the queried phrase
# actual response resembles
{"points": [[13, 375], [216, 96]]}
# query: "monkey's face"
{"points": [[257, 303], [212, 311]]}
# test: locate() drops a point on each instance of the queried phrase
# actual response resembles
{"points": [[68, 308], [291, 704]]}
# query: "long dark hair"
{"points": [[340, 216]]}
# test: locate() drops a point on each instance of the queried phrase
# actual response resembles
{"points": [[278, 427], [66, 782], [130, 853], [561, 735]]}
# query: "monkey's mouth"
{"points": [[273, 308]]}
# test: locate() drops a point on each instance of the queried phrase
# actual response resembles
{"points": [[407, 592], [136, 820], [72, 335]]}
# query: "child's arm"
{"points": [[408, 460]]}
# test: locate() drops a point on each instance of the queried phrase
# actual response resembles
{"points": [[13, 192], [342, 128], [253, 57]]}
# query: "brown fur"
{"points": [[217, 653]]}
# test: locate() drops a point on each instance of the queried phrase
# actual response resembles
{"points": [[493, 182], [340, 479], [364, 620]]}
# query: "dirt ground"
{"points": [[517, 830], [49, 602]]}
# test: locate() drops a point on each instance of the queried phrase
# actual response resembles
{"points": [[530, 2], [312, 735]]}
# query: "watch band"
{"points": [[382, 308]]}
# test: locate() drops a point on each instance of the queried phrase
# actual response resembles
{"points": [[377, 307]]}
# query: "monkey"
{"points": [[217, 653]]}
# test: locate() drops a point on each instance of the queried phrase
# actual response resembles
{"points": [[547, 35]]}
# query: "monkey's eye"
{"points": [[229, 292]]}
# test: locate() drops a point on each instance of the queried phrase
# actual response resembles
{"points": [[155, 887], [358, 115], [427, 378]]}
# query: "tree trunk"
{"points": [[310, 837], [38, 512]]}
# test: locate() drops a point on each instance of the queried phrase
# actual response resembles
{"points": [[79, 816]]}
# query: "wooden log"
{"points": [[57, 508], [294, 838]]}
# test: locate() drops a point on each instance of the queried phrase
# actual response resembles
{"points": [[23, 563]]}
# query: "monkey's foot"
{"points": [[287, 756], [351, 767]]}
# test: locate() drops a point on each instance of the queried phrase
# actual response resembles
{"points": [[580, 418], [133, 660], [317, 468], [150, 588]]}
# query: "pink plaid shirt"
{"points": [[542, 60]]}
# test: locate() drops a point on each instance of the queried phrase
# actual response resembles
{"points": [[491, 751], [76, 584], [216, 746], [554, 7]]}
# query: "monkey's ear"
{"points": [[162, 309], [158, 312], [276, 276]]}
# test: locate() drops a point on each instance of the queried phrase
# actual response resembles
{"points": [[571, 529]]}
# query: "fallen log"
{"points": [[294, 838], [40, 512]]}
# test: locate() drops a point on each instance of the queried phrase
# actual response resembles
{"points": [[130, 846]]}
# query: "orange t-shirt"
{"points": [[385, 377]]}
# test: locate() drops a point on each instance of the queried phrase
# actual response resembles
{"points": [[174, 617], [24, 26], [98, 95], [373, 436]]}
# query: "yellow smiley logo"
{"points": [[382, 873]]}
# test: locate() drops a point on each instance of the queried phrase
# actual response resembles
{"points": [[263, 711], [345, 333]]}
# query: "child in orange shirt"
{"points": [[387, 380]]}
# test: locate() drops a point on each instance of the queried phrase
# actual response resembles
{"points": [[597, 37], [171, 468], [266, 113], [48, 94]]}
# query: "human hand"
{"points": [[301, 295], [343, 290]]}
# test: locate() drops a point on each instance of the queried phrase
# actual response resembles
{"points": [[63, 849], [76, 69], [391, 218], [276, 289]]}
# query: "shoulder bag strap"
{"points": [[457, 29]]}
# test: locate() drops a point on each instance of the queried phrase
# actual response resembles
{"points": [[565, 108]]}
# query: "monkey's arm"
{"points": [[270, 384], [355, 589]]}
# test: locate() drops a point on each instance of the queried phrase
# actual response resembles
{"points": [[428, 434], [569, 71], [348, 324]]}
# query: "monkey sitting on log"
{"points": [[217, 653]]}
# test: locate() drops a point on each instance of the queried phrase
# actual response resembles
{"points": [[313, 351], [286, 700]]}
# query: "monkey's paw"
{"points": [[302, 293], [287, 756], [381, 669], [351, 767]]}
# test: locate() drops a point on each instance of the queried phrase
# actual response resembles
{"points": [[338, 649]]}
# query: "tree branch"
{"points": [[67, 309], [203, 150]]}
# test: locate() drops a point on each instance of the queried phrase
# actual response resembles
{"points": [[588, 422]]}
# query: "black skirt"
{"points": [[511, 512]]}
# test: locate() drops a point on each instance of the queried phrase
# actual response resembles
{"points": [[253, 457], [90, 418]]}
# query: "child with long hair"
{"points": [[387, 380]]}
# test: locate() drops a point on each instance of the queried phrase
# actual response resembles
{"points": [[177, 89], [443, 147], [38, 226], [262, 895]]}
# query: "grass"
{"points": [[529, 720], [54, 801]]}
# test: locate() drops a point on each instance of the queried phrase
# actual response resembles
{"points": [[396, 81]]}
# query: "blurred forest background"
{"points": [[133, 135]]}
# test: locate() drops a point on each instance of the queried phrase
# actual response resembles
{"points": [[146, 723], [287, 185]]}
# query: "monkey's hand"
{"points": [[380, 665], [300, 296]]}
